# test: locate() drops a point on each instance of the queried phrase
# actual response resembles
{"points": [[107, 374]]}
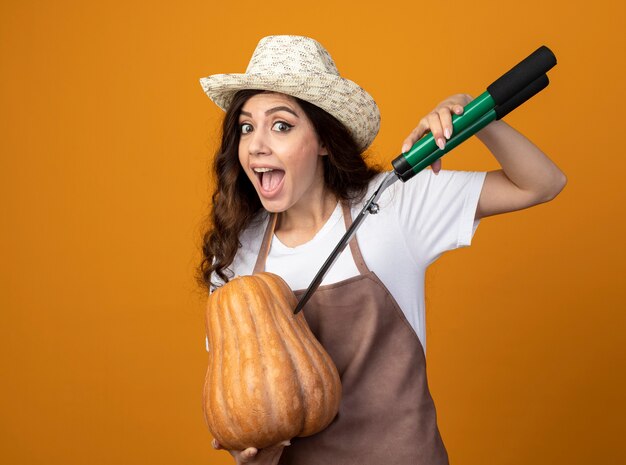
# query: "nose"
{"points": [[258, 143]]}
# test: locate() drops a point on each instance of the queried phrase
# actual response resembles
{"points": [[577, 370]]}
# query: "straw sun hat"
{"points": [[301, 67]]}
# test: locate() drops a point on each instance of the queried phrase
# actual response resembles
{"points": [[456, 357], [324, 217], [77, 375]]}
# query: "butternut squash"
{"points": [[268, 378]]}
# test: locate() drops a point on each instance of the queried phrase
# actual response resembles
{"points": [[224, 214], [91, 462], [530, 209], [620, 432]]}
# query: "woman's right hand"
{"points": [[254, 456]]}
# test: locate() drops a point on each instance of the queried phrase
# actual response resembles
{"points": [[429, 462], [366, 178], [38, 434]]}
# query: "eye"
{"points": [[245, 128], [281, 126]]}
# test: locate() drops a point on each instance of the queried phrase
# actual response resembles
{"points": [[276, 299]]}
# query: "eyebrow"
{"points": [[273, 110]]}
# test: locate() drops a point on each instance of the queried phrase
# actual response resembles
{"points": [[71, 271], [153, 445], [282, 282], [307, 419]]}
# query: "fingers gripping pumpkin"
{"points": [[268, 379]]}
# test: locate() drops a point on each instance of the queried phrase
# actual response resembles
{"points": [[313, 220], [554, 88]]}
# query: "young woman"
{"points": [[290, 178]]}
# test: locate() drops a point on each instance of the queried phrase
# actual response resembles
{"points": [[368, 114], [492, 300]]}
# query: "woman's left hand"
{"points": [[439, 123]]}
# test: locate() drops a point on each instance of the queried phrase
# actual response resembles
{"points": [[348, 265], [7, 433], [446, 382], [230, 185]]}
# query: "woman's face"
{"points": [[280, 152]]}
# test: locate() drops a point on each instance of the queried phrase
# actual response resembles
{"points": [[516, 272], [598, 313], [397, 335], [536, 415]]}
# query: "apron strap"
{"points": [[354, 245], [259, 266], [269, 233]]}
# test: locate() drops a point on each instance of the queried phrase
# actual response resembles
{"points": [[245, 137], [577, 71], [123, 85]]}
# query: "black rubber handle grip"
{"points": [[529, 91], [522, 74]]}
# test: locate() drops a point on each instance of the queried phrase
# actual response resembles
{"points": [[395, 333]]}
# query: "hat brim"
{"points": [[340, 97]]}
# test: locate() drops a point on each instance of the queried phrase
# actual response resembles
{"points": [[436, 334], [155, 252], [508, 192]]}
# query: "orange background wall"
{"points": [[105, 144]]}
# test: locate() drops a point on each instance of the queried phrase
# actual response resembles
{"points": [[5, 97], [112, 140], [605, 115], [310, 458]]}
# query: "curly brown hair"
{"points": [[235, 202]]}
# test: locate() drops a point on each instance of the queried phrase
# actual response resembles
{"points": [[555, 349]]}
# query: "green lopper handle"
{"points": [[422, 159], [509, 91]]}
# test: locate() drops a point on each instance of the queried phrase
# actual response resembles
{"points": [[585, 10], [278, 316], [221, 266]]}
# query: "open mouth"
{"points": [[270, 179]]}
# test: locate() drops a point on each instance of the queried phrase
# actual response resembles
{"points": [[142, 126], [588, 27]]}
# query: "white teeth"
{"points": [[263, 170]]}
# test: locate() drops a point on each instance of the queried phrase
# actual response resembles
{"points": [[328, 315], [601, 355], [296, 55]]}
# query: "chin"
{"points": [[273, 206]]}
